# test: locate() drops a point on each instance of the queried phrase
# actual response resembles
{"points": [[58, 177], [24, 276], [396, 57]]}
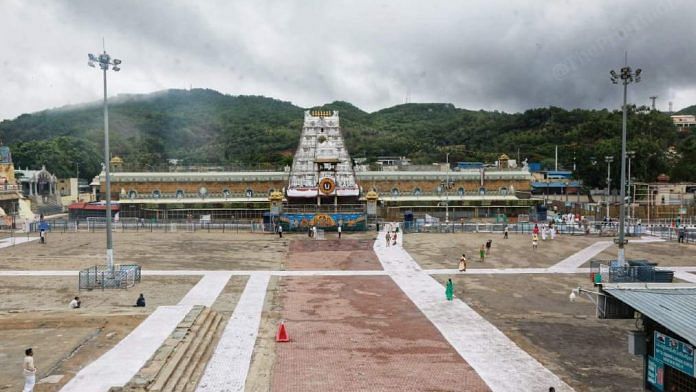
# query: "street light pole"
{"points": [[447, 191], [630, 154], [608, 159], [105, 62], [627, 76]]}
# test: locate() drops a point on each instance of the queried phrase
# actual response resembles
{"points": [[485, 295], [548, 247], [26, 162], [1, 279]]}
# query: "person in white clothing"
{"points": [[339, 232], [29, 371], [543, 233], [75, 303]]}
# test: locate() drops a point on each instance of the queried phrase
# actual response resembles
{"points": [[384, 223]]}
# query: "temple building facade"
{"points": [[322, 180], [9, 190]]}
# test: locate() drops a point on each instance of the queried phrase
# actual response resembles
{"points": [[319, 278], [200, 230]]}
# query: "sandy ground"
{"points": [[360, 334], [433, 250], [200, 250], [664, 253], [34, 313], [534, 311], [228, 298]]}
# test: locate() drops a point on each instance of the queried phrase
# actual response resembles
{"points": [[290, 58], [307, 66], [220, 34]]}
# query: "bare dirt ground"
{"points": [[180, 250], [334, 254], [359, 334], [666, 254], [433, 250], [34, 313], [228, 298], [534, 311]]}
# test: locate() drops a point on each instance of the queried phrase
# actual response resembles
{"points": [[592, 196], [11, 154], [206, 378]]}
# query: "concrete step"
{"points": [[188, 378], [181, 354], [150, 372], [201, 332], [175, 365]]}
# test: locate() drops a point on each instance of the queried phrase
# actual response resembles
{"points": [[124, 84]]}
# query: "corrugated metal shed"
{"points": [[672, 305]]}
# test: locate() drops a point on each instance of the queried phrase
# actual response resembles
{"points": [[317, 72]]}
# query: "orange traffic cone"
{"points": [[282, 335]]}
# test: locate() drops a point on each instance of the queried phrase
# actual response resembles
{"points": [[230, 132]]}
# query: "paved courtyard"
{"points": [[361, 316]]}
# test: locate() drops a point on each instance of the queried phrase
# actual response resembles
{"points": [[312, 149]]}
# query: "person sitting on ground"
{"points": [[75, 303], [140, 302]]}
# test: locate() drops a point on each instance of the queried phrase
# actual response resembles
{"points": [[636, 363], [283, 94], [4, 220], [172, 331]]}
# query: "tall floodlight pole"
{"points": [[447, 191], [627, 76], [630, 155], [608, 159], [105, 62]]}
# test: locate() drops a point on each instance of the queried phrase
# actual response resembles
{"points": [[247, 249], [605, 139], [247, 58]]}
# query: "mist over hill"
{"points": [[203, 126]]}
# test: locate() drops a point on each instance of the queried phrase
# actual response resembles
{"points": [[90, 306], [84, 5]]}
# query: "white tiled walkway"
{"points": [[121, 363], [10, 241], [576, 260], [227, 369], [497, 360]]}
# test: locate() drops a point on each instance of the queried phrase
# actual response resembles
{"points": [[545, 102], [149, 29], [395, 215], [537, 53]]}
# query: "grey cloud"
{"points": [[491, 54]]}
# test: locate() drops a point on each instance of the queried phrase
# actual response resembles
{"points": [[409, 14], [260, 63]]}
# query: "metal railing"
{"points": [[95, 225], [602, 271], [121, 276]]}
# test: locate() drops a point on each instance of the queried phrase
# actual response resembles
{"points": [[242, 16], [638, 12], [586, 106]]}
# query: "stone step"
{"points": [[174, 365], [201, 331], [149, 373], [203, 362], [188, 378], [181, 353]]}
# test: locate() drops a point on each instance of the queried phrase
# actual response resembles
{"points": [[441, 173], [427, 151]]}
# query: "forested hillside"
{"points": [[206, 127]]}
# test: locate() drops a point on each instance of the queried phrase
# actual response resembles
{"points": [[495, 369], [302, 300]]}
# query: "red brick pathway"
{"points": [[362, 334]]}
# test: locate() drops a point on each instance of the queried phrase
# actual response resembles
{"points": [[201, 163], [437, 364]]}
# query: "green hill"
{"points": [[206, 127]]}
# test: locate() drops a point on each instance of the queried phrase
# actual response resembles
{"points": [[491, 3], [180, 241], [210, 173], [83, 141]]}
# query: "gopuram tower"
{"points": [[322, 171]]}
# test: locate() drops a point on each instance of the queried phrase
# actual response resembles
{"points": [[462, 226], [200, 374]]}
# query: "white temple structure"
{"points": [[322, 167]]}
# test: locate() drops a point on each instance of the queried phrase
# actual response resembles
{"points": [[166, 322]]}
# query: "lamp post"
{"points": [[105, 62], [630, 154], [608, 159], [447, 191], [627, 76]]}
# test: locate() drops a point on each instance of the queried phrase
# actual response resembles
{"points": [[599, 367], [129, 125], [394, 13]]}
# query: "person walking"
{"points": [[29, 370], [489, 243], [394, 238], [535, 241], [682, 234], [543, 232], [482, 252], [536, 229], [339, 232], [387, 237], [449, 290], [505, 233], [462, 263], [280, 231]]}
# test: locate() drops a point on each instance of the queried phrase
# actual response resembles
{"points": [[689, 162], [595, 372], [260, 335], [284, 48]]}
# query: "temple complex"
{"points": [[324, 185]]}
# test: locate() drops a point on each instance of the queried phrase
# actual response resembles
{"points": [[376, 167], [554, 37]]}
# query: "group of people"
{"points": [[545, 231], [390, 237], [76, 303], [483, 252]]}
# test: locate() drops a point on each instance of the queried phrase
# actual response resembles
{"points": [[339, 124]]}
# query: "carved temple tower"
{"points": [[322, 171]]}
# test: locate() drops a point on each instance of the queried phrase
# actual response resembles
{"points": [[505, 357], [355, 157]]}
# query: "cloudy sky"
{"points": [[489, 54]]}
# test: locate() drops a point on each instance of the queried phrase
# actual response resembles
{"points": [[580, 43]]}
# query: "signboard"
{"points": [[656, 374], [674, 353]]}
